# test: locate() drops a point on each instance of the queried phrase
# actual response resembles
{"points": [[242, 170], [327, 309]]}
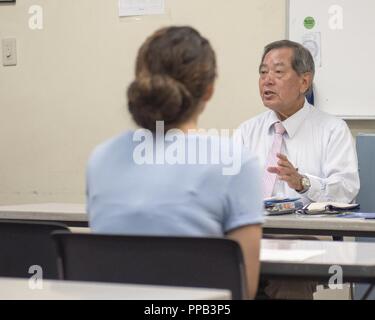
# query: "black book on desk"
{"points": [[328, 208]]}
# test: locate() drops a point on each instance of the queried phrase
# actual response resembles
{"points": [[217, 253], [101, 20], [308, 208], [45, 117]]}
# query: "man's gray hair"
{"points": [[302, 60]]}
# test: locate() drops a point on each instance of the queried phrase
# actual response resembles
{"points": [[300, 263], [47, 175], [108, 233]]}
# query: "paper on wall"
{"points": [[312, 41], [141, 7]]}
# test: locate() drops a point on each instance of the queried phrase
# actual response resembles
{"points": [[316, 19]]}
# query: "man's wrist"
{"points": [[300, 188], [305, 184]]}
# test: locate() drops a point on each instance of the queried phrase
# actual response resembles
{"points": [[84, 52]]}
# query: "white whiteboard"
{"points": [[344, 82]]}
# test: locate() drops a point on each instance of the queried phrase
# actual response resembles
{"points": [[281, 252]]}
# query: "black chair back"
{"points": [[24, 244], [155, 260]]}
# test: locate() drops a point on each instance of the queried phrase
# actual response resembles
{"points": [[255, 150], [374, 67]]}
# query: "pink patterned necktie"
{"points": [[269, 179]]}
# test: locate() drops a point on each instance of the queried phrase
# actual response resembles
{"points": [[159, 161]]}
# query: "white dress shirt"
{"points": [[318, 144]]}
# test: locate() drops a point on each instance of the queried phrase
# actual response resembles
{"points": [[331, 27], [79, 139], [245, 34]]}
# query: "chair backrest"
{"points": [[366, 154], [28, 243], [155, 260]]}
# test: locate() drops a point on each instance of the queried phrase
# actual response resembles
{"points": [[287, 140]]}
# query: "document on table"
{"points": [[288, 255], [141, 7], [363, 215]]}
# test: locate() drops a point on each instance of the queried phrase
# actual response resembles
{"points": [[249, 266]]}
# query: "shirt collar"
{"points": [[294, 122]]}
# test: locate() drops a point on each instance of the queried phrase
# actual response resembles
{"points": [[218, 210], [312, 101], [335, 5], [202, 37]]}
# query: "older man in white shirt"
{"points": [[316, 159], [304, 151]]}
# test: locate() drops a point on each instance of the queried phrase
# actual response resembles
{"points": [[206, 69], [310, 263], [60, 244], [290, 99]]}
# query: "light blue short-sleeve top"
{"points": [[183, 194]]}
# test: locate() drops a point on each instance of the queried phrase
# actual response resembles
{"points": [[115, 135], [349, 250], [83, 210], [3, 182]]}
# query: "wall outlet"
{"points": [[9, 52]]}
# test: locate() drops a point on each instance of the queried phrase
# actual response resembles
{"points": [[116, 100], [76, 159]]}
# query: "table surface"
{"points": [[356, 259], [74, 212], [300, 221], [45, 211], [332, 252], [19, 289]]}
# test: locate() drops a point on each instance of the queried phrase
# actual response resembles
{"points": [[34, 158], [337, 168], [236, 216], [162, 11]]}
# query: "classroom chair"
{"points": [[25, 246], [365, 143], [152, 260]]}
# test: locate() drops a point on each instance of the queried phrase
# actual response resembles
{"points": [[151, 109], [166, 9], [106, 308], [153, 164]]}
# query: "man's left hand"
{"points": [[286, 172]]}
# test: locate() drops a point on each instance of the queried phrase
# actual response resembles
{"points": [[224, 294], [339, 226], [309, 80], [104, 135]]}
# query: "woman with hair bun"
{"points": [[165, 178]]}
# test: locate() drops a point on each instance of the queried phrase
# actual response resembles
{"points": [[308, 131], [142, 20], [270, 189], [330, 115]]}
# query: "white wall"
{"points": [[67, 92]]}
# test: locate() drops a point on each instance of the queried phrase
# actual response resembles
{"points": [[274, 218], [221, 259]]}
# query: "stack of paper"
{"points": [[288, 255]]}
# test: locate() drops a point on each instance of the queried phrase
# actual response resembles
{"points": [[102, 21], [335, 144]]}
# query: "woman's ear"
{"points": [[209, 92]]}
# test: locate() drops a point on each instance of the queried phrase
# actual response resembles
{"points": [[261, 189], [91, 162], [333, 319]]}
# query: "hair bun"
{"points": [[158, 97]]}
